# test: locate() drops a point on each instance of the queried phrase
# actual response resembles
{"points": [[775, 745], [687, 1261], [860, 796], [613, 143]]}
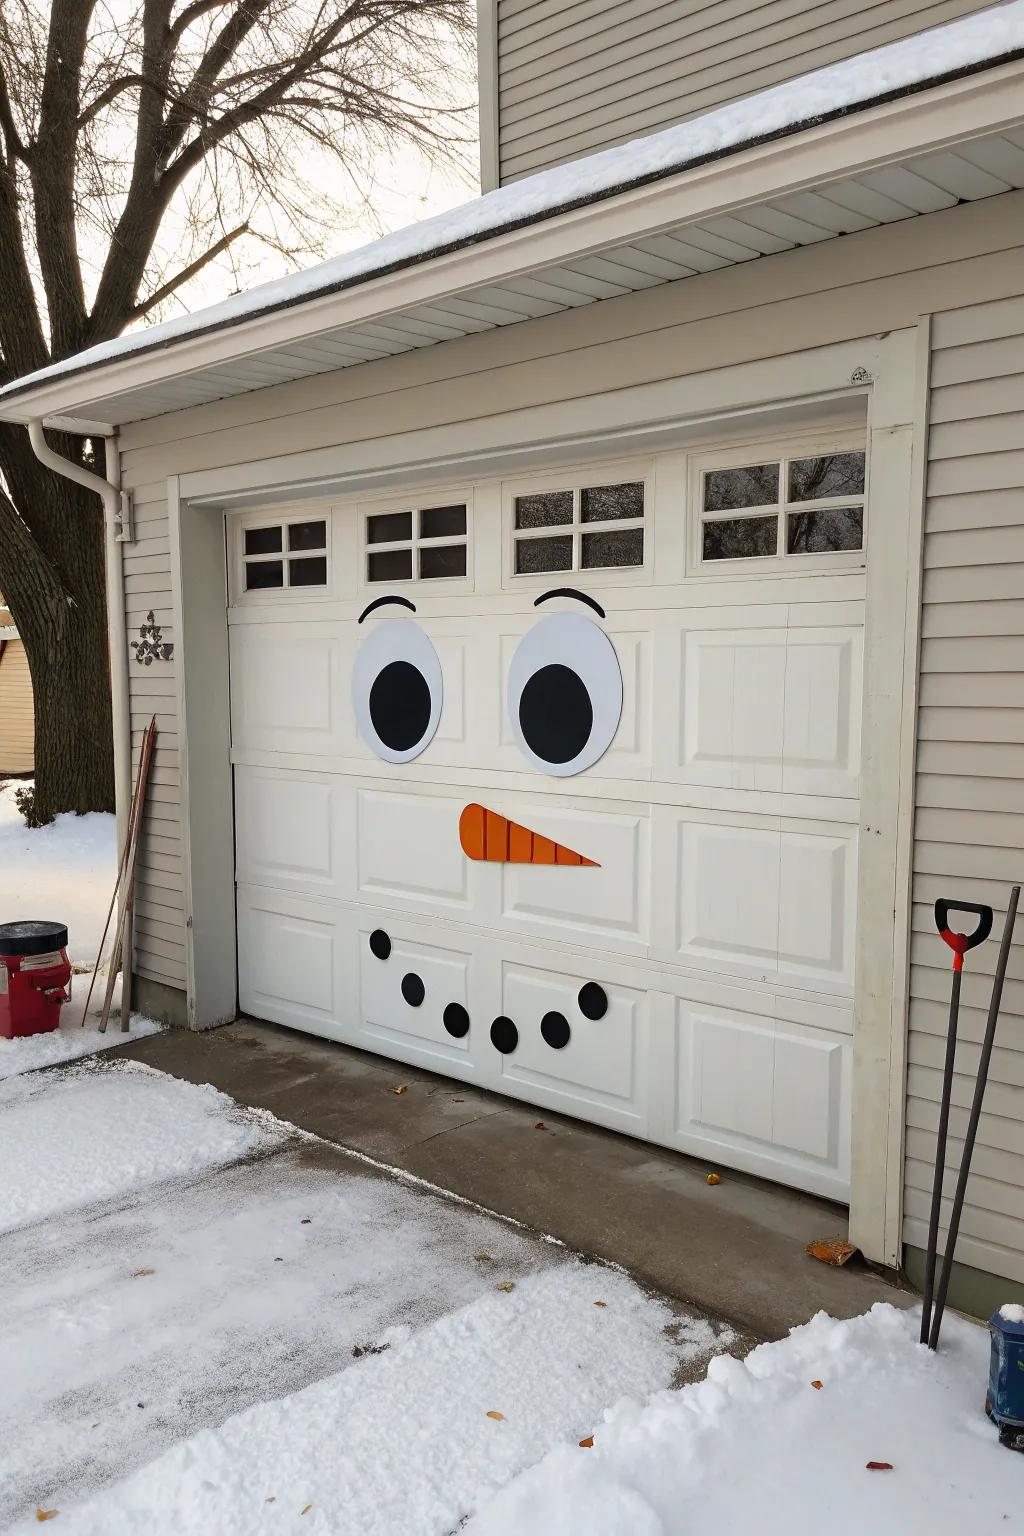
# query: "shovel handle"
{"points": [[960, 943]]}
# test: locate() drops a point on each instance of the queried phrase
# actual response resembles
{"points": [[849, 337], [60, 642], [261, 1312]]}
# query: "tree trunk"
{"points": [[52, 578]]}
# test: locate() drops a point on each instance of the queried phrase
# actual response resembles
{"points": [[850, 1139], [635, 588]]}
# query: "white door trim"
{"points": [[891, 370]]}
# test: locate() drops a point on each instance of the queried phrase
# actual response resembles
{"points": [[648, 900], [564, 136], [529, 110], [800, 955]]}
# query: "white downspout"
{"points": [[117, 635]]}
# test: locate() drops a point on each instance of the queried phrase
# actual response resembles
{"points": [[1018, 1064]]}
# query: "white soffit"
{"points": [[984, 167]]}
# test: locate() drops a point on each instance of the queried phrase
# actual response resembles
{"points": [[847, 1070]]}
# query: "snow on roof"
{"points": [[983, 39]]}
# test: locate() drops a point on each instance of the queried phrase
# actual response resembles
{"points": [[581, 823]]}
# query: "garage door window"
{"points": [[591, 527], [810, 505], [419, 544], [280, 555]]}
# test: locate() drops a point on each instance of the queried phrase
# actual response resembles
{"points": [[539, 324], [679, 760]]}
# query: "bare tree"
{"points": [[141, 141]]}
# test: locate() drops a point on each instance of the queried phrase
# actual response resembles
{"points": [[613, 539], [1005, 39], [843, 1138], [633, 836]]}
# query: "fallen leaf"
{"points": [[714, 1178], [482, 1258], [458, 1101], [279, 1261], [47, 1514], [492, 1413], [832, 1251], [816, 1385], [586, 1443], [305, 1222], [507, 1285], [307, 1509], [96, 1425], [138, 1274], [402, 1088], [879, 1466], [140, 1405], [600, 1303], [540, 1126], [272, 1499]]}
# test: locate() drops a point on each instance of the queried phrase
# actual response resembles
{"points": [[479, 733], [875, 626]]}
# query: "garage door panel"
{"points": [[286, 830], [769, 1097], [824, 686], [407, 849], [390, 1016], [772, 905], [287, 962], [291, 688], [608, 904]]}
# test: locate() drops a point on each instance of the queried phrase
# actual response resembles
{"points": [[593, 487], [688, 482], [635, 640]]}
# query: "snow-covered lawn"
{"points": [[64, 872]]}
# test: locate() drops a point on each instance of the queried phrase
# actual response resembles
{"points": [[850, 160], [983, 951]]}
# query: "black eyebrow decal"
{"points": [[581, 597], [379, 602]]}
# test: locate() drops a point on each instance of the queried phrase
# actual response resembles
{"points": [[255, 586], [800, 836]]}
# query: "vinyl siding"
{"points": [[969, 822], [575, 78], [159, 912], [17, 725]]}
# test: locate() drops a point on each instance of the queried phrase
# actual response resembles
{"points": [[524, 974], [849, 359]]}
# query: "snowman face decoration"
{"points": [[563, 698]]}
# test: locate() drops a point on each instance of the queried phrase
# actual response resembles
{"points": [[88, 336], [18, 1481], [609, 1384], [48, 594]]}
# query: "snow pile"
{"points": [[102, 1129], [894, 68], [1012, 1312], [760, 1447], [64, 873], [408, 1441]]}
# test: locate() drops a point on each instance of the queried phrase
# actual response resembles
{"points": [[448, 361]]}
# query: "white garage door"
{"points": [[572, 812]]}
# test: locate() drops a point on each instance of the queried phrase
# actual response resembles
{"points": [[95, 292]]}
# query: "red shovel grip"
{"points": [[960, 943]]}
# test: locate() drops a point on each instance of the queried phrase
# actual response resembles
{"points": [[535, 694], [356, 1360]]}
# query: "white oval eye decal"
{"points": [[564, 694], [397, 690]]}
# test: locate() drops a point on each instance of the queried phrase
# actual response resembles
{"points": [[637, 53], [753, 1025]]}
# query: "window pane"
{"points": [[310, 572], [816, 533], [756, 485], [833, 474], [623, 547], [307, 536], [442, 522], [388, 527], [390, 565], [443, 560], [598, 502], [533, 555], [264, 573], [544, 511], [740, 538], [262, 541]]}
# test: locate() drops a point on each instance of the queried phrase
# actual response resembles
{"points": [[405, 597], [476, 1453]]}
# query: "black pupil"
{"points": [[400, 705], [555, 714]]}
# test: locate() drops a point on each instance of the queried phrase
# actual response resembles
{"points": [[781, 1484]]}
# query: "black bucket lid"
{"points": [[32, 937]]}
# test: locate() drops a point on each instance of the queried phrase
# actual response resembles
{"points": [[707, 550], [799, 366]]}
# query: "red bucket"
{"points": [[35, 977]]}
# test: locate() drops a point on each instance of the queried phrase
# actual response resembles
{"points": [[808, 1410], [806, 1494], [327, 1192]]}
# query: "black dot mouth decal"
{"points": [[554, 1028], [592, 1001], [380, 944], [504, 1035], [456, 1020], [413, 989]]}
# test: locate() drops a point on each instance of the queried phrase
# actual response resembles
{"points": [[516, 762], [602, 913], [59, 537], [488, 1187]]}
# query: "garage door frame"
{"points": [[892, 373]]}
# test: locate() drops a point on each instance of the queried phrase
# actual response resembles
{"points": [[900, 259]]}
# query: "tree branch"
{"points": [[180, 25], [15, 145], [187, 273]]}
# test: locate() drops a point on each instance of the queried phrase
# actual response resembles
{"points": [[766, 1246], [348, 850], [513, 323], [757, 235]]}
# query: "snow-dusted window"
{"points": [[807, 505], [580, 528], [285, 553], [428, 543]]}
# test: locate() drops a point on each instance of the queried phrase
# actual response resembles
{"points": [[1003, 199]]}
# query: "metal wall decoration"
{"points": [[151, 646]]}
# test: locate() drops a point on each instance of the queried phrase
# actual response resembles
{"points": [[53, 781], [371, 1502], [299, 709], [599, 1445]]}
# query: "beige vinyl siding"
{"points": [[159, 912], [575, 78], [969, 823], [17, 725]]}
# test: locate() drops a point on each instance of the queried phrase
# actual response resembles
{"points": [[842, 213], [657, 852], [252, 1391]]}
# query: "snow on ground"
{"points": [[69, 1042], [102, 1129], [64, 872], [758, 1448], [893, 68], [407, 1442]]}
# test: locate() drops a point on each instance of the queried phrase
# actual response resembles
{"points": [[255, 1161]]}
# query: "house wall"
{"points": [[965, 267], [17, 725], [574, 78]]}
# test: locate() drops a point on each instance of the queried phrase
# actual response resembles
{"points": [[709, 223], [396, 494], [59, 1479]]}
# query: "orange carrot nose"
{"points": [[486, 835]]}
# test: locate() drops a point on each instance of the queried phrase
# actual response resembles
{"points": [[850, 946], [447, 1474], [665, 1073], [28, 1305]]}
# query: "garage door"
{"points": [[550, 785]]}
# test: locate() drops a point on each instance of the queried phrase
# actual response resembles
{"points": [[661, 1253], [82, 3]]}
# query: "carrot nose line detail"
{"points": [[486, 835]]}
